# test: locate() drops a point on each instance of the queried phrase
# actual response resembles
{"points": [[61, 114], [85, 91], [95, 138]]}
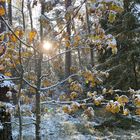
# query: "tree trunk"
{"points": [[79, 58], [38, 115], [68, 54], [30, 14], [5, 119], [88, 32], [92, 55], [19, 93], [38, 71], [23, 17], [10, 12]]}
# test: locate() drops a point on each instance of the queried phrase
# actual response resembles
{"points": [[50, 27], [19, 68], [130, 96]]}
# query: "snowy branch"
{"points": [[28, 83], [59, 83], [54, 102], [65, 52]]}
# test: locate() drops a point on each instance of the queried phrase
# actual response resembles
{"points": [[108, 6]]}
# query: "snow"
{"points": [[60, 126], [4, 82], [1, 126]]}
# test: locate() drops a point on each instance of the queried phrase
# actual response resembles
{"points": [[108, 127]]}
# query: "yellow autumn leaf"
{"points": [[66, 109], [19, 31], [77, 38], [32, 35], [116, 8], [108, 107], [16, 61], [8, 74], [137, 111], [98, 100], [62, 97], [89, 112], [32, 90], [74, 107], [111, 17], [75, 86], [8, 1], [73, 95], [67, 44], [12, 38], [137, 102], [2, 67], [114, 50], [10, 45], [2, 10], [2, 50], [92, 84], [88, 76], [2, 37], [91, 94], [46, 83], [123, 99], [126, 112], [73, 69], [115, 107], [83, 105]]}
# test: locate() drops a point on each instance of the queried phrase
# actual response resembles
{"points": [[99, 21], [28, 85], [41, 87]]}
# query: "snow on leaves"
{"points": [[4, 82]]}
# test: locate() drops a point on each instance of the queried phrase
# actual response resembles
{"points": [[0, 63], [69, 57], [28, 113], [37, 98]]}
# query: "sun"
{"points": [[47, 45]]}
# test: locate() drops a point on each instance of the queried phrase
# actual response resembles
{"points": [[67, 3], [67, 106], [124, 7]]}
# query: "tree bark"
{"points": [[88, 32], [19, 93], [10, 12], [38, 72], [23, 17], [68, 54], [30, 13], [38, 115], [5, 118]]}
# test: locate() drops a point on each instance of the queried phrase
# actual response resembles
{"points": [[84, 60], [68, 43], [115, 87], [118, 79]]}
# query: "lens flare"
{"points": [[47, 45]]}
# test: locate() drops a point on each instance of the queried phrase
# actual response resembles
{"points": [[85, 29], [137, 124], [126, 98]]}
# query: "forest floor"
{"points": [[57, 125]]}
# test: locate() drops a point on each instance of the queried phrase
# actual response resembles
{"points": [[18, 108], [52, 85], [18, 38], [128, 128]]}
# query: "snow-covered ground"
{"points": [[59, 126]]}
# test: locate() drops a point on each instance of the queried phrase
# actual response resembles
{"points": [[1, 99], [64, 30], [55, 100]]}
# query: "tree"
{"points": [[126, 30], [68, 54], [35, 51]]}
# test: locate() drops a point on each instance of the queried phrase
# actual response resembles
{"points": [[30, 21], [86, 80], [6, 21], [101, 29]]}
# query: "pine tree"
{"points": [[123, 67]]}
